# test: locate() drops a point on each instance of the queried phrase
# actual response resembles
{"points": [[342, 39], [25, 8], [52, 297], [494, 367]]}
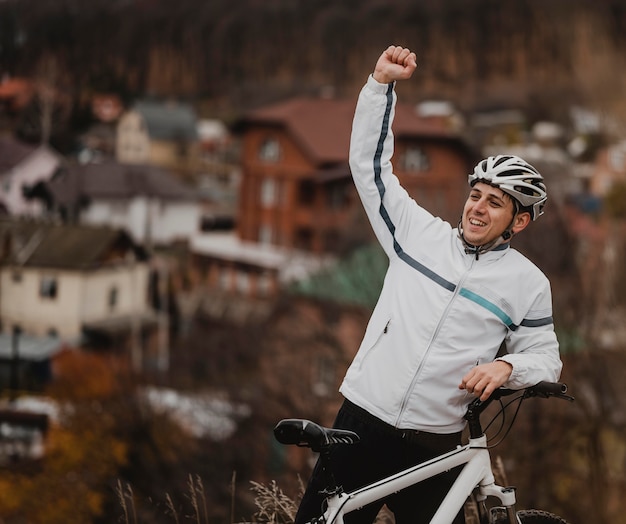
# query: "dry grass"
{"points": [[273, 506]]}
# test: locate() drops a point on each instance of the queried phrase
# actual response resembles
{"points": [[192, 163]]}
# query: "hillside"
{"points": [[234, 55]]}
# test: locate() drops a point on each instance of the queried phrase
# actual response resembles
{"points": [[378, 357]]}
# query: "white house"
{"points": [[147, 201], [69, 281]]}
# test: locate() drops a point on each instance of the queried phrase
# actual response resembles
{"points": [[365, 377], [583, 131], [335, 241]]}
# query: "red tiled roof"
{"points": [[322, 127]]}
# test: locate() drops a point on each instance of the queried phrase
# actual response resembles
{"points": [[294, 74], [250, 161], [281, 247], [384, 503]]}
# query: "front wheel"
{"points": [[537, 516]]}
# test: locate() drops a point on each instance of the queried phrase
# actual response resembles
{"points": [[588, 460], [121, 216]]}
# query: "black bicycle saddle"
{"points": [[304, 433]]}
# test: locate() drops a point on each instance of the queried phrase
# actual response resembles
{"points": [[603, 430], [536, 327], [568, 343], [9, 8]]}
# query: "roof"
{"points": [[112, 180], [120, 324], [168, 120], [291, 265], [322, 127], [13, 152], [29, 347], [45, 245]]}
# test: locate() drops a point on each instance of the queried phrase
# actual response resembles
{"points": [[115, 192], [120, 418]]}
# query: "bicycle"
{"points": [[476, 479]]}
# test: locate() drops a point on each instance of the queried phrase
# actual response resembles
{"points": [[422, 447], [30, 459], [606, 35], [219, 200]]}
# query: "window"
{"points": [[304, 238], [269, 150], [48, 287], [306, 193], [242, 282], [266, 234], [415, 160], [337, 196], [112, 298], [224, 279], [182, 149], [269, 192], [264, 284]]}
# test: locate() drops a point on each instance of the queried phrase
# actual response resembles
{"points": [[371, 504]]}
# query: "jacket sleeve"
{"points": [[533, 348], [392, 213]]}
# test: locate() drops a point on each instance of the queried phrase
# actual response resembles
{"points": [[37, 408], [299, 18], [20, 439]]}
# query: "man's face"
{"points": [[488, 211]]}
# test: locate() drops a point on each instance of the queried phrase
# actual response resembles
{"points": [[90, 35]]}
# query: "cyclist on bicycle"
{"points": [[451, 297]]}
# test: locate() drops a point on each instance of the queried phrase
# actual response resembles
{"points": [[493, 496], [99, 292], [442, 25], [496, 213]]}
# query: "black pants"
{"points": [[382, 451]]}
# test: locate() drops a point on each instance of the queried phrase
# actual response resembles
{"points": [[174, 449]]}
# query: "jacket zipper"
{"points": [[457, 289], [371, 348]]}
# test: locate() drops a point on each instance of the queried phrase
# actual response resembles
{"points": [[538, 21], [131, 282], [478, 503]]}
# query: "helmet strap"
{"points": [[471, 249]]}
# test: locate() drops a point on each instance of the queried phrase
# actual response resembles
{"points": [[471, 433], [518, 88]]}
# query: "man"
{"points": [[451, 297]]}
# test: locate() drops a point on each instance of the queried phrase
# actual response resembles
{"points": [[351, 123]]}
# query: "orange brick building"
{"points": [[296, 188]]}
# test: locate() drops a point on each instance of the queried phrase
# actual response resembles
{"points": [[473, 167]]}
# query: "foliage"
{"points": [[356, 279], [107, 438], [224, 53], [83, 453]]}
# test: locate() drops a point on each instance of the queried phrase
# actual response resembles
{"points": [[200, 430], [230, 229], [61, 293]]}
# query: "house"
{"points": [[83, 285], [297, 204], [233, 267], [158, 133], [149, 202], [23, 168], [296, 189]]}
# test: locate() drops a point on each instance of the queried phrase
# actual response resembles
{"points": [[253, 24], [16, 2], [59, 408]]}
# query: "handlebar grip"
{"points": [[550, 388]]}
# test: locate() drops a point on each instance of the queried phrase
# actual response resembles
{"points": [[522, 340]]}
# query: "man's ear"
{"points": [[520, 222]]}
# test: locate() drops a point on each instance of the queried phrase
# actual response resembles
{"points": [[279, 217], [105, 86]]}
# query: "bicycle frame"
{"points": [[476, 472], [476, 475]]}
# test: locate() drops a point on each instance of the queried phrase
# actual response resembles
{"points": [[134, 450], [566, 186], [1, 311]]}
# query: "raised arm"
{"points": [[394, 215]]}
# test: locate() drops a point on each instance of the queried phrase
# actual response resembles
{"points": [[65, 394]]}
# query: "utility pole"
{"points": [[136, 349], [15, 363], [163, 359]]}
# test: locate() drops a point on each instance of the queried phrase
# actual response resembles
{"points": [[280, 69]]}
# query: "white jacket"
{"points": [[441, 311]]}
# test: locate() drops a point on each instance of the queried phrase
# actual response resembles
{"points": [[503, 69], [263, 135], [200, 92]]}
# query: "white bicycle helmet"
{"points": [[517, 178]]}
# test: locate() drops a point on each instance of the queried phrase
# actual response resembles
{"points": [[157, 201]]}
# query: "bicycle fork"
{"points": [[504, 514]]}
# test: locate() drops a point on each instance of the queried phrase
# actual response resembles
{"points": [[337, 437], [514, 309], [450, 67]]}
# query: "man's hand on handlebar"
{"points": [[484, 379]]}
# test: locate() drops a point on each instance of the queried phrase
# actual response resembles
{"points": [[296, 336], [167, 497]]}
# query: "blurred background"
{"points": [[184, 260]]}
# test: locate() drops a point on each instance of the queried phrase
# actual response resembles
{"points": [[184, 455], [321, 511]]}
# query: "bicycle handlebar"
{"points": [[542, 389]]}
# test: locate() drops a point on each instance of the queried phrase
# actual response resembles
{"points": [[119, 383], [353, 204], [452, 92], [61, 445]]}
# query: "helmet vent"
{"points": [[515, 177]]}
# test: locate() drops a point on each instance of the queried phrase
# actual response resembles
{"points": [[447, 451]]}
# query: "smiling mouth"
{"points": [[476, 222]]}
